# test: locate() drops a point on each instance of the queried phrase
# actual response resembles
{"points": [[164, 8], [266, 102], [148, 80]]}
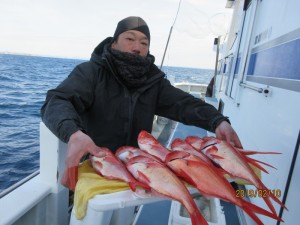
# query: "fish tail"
{"points": [[250, 208], [250, 152], [254, 217], [277, 200], [269, 195], [197, 218], [270, 205]]}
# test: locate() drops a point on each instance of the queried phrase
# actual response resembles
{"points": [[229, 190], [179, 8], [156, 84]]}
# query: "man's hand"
{"points": [[79, 145], [225, 132]]}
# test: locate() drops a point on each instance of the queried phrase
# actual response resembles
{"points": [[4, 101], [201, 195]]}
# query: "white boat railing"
{"points": [[198, 90], [42, 199], [18, 184]]}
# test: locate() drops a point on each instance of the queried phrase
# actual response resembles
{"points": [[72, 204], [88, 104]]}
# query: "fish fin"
{"points": [[145, 186], [249, 152], [277, 200], [176, 155], [143, 177], [182, 174], [134, 184], [254, 163], [216, 156], [139, 158], [270, 205], [199, 163], [253, 216], [271, 195], [158, 194], [258, 161], [250, 208]]}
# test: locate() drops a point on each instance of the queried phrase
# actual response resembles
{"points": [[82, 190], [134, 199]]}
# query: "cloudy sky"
{"points": [[72, 28]]}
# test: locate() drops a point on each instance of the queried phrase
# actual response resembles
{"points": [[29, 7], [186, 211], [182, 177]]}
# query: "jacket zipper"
{"points": [[132, 101], [130, 115]]}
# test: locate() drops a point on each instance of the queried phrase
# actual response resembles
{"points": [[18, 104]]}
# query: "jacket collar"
{"points": [[155, 74]]}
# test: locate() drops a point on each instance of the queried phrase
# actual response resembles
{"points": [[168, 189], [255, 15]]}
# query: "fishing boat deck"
{"points": [[158, 213], [154, 213]]}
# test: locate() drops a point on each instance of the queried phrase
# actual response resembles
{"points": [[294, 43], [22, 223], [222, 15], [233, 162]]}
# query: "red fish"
{"points": [[112, 168], [236, 164], [200, 143], [209, 182], [149, 144], [164, 183]]}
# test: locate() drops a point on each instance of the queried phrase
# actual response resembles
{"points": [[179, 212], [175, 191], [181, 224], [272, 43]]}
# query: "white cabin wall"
{"points": [[279, 16], [268, 123]]}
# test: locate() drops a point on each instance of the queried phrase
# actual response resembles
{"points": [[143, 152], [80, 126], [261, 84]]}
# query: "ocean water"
{"points": [[24, 81]]}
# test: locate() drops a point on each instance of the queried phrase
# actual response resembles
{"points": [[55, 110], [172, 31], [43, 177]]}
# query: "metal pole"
{"points": [[162, 62], [171, 29], [216, 65]]}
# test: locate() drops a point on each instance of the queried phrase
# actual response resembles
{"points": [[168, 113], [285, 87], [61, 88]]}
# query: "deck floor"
{"points": [[155, 213]]}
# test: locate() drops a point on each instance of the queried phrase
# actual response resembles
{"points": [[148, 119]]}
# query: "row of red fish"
{"points": [[201, 162]]}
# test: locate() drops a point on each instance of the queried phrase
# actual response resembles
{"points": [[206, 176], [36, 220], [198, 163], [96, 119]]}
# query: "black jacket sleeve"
{"points": [[185, 108], [64, 104]]}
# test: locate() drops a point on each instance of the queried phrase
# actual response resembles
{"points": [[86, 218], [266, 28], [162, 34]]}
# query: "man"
{"points": [[107, 101]]}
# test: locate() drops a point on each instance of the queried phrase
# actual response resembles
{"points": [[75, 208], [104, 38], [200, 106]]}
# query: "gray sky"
{"points": [[72, 28]]}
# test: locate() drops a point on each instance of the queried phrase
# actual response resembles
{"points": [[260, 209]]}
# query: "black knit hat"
{"points": [[132, 23]]}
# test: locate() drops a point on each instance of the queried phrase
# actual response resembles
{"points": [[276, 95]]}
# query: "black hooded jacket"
{"points": [[94, 100]]}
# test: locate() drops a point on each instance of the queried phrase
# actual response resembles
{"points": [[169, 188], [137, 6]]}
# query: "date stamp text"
{"points": [[260, 193]]}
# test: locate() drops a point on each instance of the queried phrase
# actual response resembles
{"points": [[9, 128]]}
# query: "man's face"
{"points": [[132, 41]]}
